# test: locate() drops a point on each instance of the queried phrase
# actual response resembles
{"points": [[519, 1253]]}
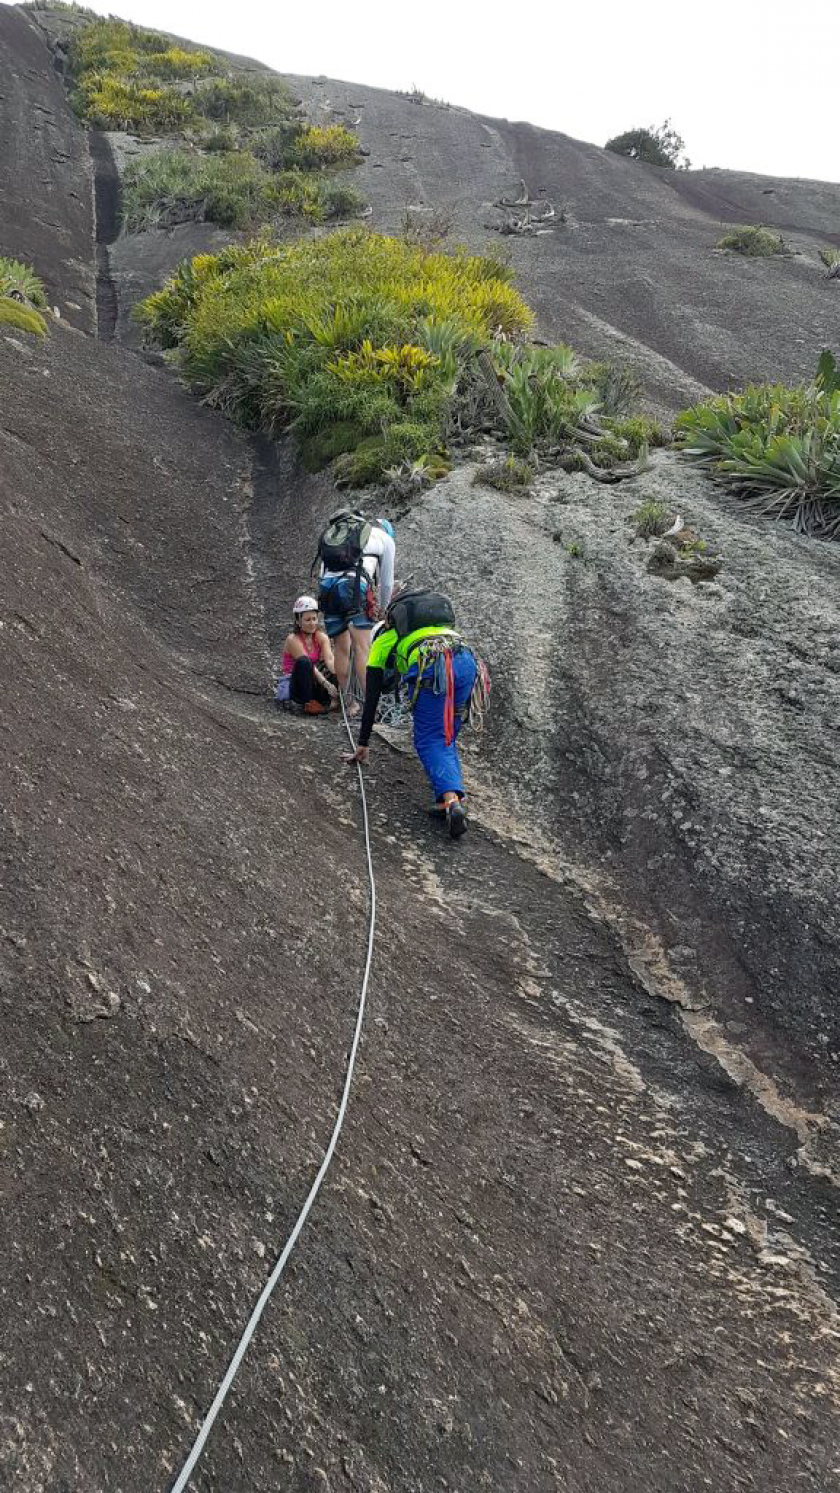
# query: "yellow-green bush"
{"points": [[124, 74], [345, 333], [22, 318], [294, 144], [175, 62], [110, 102], [753, 242], [318, 147]]}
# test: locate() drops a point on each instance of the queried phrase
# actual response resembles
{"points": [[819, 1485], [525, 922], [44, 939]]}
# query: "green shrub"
{"points": [[95, 46], [509, 474], [609, 450], [176, 62], [372, 459], [617, 386], [321, 147], [639, 431], [548, 404], [831, 260], [351, 337], [275, 146], [777, 448], [230, 188], [110, 102], [220, 138], [257, 101], [660, 146], [22, 318], [123, 76], [320, 447], [651, 519], [297, 195], [20, 282], [341, 202], [754, 242]]}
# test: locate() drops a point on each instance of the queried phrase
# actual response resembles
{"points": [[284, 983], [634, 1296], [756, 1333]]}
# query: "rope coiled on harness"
{"points": [[250, 1328], [435, 653]]}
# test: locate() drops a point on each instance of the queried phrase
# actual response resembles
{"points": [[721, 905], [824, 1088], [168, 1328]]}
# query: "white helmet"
{"points": [[305, 604]]}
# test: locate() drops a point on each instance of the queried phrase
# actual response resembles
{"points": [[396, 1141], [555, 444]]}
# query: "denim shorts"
{"points": [[340, 607]]}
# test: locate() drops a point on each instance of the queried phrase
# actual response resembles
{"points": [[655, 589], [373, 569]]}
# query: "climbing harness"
{"points": [[435, 654], [242, 1347]]}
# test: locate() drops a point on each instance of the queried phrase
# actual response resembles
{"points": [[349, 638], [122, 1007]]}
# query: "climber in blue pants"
{"points": [[439, 757], [444, 682]]}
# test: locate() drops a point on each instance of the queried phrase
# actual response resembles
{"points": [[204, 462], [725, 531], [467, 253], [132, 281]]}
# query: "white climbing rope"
{"points": [[242, 1347]]}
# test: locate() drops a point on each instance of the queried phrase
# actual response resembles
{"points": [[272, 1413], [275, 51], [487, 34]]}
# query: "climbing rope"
{"points": [[244, 1342]]}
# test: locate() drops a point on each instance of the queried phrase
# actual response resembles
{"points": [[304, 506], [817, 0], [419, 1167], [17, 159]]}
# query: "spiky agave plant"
{"points": [[776, 448]]}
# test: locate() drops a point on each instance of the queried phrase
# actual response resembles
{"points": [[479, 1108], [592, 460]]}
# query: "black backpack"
{"points": [[420, 609], [341, 547]]}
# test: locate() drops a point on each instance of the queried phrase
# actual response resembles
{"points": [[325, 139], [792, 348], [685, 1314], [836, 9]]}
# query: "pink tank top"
{"points": [[312, 648]]}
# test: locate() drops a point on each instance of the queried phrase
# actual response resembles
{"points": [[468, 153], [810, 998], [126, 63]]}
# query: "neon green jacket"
{"points": [[390, 650]]}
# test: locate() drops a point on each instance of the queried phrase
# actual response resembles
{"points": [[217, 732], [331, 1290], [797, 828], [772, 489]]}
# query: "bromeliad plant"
{"points": [[355, 342], [376, 353], [776, 448], [22, 298], [19, 283]]}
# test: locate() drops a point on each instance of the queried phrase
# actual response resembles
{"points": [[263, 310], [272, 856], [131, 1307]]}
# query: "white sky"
{"points": [[749, 84]]}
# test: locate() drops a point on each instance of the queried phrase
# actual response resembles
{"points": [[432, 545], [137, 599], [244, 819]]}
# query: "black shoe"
{"points": [[457, 820]]}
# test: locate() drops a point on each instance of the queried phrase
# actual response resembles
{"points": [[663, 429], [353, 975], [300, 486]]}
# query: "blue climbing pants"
{"points": [[441, 762]]}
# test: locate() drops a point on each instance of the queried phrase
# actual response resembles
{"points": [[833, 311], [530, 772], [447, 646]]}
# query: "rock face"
{"points": [[44, 155], [573, 1238]]}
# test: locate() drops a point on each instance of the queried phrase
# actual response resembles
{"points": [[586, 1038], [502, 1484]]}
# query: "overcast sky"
{"points": [[750, 85]]}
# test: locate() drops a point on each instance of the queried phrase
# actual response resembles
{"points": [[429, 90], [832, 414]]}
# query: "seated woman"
{"points": [[302, 682]]}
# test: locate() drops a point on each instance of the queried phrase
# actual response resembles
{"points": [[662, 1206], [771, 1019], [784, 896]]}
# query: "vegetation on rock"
{"points": [[23, 318], [18, 282], [228, 187], [508, 474], [248, 154], [655, 146], [651, 519], [831, 260], [127, 78], [775, 447], [377, 354], [356, 342], [753, 241]]}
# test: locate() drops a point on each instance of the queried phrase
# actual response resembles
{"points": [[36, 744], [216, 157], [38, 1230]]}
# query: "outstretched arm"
{"points": [[373, 690]]}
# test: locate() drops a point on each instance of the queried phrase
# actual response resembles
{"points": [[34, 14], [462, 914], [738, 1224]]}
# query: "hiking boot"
{"points": [[456, 814], [314, 707]]}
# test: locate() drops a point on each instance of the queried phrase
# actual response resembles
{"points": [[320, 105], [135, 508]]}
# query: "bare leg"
{"points": [[341, 654], [361, 648]]}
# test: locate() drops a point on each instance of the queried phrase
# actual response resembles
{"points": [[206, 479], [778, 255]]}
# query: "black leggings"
{"points": [[303, 685]]}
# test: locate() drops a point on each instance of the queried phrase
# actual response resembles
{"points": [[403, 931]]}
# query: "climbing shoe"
{"points": [[314, 707], [456, 815]]}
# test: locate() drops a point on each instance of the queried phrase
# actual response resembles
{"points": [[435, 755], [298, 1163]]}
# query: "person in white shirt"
{"points": [[351, 599]]}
